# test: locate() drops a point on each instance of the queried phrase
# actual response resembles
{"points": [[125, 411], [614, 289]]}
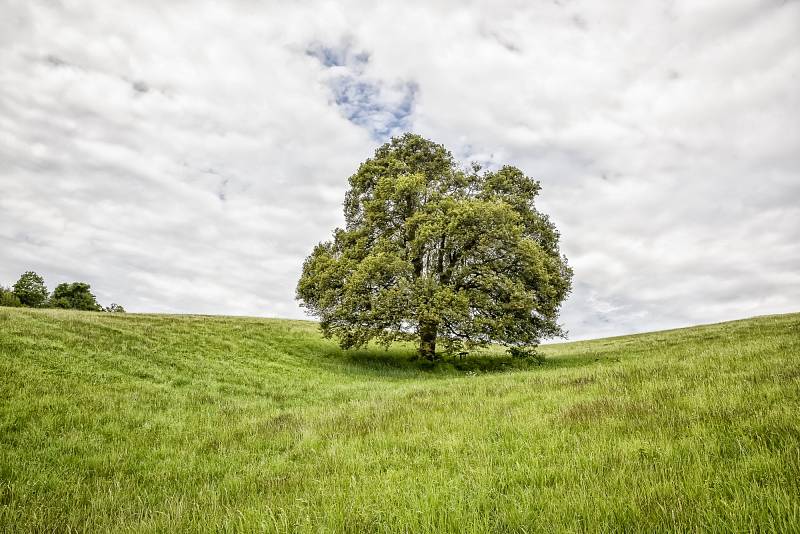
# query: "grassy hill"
{"points": [[162, 423]]}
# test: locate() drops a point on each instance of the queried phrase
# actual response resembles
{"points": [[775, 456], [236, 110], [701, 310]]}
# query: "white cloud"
{"points": [[185, 156]]}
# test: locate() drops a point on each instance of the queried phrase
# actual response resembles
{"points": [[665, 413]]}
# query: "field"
{"points": [[147, 423]]}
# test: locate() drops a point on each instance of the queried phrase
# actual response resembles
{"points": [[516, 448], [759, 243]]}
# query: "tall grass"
{"points": [[183, 423]]}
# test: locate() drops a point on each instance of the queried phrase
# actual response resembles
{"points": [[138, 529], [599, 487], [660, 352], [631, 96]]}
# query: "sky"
{"points": [[185, 157]]}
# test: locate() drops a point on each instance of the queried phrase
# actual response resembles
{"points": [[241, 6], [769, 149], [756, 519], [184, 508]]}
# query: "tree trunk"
{"points": [[427, 340]]}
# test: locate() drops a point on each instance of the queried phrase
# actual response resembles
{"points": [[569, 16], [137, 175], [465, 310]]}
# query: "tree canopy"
{"points": [[75, 296], [431, 251], [30, 289]]}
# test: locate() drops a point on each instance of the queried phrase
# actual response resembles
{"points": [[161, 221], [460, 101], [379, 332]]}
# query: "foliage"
{"points": [[431, 252], [8, 298], [152, 423], [30, 289], [115, 308], [526, 353], [76, 296]]}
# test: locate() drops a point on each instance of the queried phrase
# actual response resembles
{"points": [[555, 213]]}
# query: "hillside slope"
{"points": [[163, 423]]}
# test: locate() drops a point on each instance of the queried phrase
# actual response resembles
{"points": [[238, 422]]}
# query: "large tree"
{"points": [[431, 251], [30, 289]]}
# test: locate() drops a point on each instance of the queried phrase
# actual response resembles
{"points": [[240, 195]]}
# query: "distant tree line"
{"points": [[31, 292]]}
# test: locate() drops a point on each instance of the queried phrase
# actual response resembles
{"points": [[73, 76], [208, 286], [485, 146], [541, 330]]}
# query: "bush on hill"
{"points": [[75, 296], [8, 298], [30, 291]]}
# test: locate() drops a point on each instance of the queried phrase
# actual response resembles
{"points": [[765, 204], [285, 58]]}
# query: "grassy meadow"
{"points": [[148, 423]]}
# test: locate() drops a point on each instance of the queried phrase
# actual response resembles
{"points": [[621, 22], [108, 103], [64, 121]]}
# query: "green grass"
{"points": [[153, 423]]}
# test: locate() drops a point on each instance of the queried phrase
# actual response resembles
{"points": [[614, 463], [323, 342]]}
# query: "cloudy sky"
{"points": [[186, 156]]}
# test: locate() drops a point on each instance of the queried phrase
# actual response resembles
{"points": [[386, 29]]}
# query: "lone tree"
{"points": [[30, 289], [432, 252], [75, 296]]}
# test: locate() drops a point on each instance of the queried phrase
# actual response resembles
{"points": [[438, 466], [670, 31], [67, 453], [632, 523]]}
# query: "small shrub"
{"points": [[526, 353]]}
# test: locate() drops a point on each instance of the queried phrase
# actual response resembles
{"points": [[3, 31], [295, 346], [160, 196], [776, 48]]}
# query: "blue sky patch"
{"points": [[383, 108]]}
